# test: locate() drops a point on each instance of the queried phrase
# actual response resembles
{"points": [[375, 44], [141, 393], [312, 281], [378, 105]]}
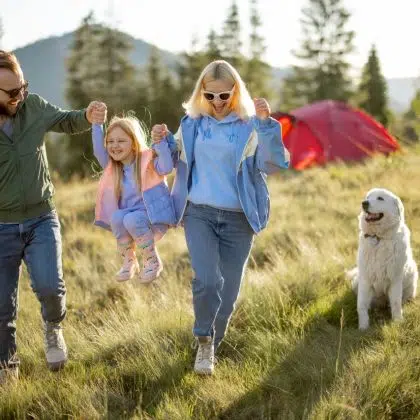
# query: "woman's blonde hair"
{"points": [[241, 102], [133, 128]]}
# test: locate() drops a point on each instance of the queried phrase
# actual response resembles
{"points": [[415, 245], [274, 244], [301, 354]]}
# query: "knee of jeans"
{"points": [[117, 220], [51, 292], [130, 221], [204, 286], [135, 224]]}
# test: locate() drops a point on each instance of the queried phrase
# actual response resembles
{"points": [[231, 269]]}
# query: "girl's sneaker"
{"points": [[130, 265], [152, 267], [152, 264]]}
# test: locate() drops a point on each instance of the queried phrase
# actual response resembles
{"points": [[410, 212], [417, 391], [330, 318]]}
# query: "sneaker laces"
{"points": [[204, 351], [53, 336]]}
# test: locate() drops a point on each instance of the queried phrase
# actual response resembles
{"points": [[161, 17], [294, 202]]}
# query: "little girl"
{"points": [[133, 199]]}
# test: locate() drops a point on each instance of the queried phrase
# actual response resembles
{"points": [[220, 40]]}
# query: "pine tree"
{"points": [[189, 69], [1, 30], [257, 72], [411, 120], [323, 73], [231, 43], [372, 90], [164, 105], [212, 49], [98, 69]]}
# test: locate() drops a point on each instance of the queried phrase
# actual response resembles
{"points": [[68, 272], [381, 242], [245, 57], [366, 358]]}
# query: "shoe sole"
{"points": [[204, 372], [126, 278], [146, 280], [55, 367]]}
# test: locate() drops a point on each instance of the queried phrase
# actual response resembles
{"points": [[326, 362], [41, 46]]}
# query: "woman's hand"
{"points": [[262, 109], [159, 132]]}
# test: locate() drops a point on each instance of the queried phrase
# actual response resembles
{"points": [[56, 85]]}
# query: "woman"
{"points": [[225, 146]]}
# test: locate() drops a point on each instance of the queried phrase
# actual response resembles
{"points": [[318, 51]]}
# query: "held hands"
{"points": [[159, 132], [96, 112], [262, 109]]}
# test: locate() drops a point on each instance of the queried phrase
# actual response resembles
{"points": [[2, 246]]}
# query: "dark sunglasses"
{"points": [[223, 96], [15, 92]]}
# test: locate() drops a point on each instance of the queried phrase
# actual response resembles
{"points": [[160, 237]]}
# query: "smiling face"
{"points": [[381, 210], [9, 81], [119, 146], [219, 107]]}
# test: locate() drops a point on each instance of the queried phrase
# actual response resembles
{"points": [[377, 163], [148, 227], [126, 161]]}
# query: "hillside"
{"points": [[293, 350], [43, 63]]}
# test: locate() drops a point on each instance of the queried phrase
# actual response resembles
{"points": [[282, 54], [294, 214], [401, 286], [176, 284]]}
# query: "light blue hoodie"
{"points": [[259, 151]]}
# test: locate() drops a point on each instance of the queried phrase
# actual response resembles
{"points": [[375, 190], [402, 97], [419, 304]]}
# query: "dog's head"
{"points": [[381, 211]]}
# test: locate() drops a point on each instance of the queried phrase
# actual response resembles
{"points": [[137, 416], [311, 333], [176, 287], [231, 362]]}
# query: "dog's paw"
{"points": [[363, 323]]}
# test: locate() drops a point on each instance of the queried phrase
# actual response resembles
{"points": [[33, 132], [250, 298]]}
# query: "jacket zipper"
{"points": [[186, 161], [237, 172]]}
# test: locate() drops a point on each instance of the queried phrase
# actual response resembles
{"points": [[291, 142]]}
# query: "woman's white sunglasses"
{"points": [[223, 96]]}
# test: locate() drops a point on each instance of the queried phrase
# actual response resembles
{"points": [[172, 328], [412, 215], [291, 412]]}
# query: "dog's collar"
{"points": [[376, 237]]}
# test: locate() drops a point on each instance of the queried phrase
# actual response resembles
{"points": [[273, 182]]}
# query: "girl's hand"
{"points": [[96, 112], [262, 109], [159, 132]]}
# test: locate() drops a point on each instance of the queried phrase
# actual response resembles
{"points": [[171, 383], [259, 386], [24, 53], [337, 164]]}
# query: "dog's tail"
{"points": [[353, 276]]}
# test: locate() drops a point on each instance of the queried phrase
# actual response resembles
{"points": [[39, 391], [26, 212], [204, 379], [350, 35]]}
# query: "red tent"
{"points": [[330, 130]]}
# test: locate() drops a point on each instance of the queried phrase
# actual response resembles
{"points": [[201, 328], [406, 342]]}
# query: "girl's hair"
{"points": [[133, 128], [241, 102]]}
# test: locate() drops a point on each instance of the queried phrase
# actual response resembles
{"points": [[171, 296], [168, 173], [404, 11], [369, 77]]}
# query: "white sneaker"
{"points": [[55, 346], [130, 265], [204, 361], [9, 375]]}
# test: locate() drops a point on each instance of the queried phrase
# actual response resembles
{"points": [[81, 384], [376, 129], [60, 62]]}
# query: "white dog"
{"points": [[385, 265]]}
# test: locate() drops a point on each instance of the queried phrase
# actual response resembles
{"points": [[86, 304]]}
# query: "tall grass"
{"points": [[293, 349]]}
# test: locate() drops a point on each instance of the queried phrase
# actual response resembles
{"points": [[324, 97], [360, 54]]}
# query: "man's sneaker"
{"points": [[55, 346], [9, 375], [204, 361]]}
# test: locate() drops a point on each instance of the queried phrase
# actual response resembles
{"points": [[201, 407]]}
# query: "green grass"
{"points": [[293, 349]]}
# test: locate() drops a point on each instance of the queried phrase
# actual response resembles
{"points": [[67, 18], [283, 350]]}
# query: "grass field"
{"points": [[293, 350]]}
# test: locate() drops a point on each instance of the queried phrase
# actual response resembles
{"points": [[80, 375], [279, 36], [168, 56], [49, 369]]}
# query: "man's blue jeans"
{"points": [[38, 243], [219, 243]]}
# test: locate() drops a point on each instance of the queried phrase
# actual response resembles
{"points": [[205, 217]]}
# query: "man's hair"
{"points": [[9, 61]]}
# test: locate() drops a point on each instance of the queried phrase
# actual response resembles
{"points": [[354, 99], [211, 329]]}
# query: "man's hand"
{"points": [[159, 132], [262, 109], [96, 112]]}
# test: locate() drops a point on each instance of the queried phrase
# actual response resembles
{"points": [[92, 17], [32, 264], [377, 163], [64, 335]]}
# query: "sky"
{"points": [[171, 25]]}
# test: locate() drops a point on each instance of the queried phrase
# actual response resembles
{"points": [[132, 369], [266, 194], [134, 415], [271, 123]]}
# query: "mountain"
{"points": [[44, 65]]}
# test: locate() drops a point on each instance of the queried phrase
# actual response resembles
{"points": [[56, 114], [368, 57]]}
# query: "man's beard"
{"points": [[4, 111]]}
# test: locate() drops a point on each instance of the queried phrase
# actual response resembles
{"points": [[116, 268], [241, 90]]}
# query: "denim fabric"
{"points": [[219, 243], [37, 242], [128, 224]]}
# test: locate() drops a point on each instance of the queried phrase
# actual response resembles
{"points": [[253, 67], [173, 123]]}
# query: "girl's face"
{"points": [[120, 146], [219, 94]]}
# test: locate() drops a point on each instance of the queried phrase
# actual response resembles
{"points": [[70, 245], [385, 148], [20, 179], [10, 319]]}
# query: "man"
{"points": [[29, 226]]}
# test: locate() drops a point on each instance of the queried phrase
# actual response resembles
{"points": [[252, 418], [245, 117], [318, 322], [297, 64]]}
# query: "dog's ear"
{"points": [[400, 207]]}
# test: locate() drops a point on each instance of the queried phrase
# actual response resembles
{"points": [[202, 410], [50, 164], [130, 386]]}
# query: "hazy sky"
{"points": [[170, 24]]}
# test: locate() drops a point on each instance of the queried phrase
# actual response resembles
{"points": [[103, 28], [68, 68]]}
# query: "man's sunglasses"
{"points": [[15, 92], [223, 96]]}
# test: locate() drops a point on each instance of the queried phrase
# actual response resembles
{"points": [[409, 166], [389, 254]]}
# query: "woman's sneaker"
{"points": [[55, 346], [204, 360]]}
